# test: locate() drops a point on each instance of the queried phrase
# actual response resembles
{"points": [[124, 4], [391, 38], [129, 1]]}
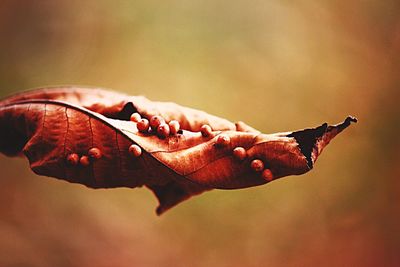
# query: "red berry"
{"points": [[267, 175], [73, 159], [84, 161], [95, 153], [257, 165], [239, 153]]}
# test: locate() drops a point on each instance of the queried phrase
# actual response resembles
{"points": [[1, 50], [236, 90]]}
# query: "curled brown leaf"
{"points": [[87, 136]]}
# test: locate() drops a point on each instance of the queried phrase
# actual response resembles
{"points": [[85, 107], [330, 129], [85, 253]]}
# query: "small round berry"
{"points": [[163, 130], [257, 165], [239, 153], [143, 125], [84, 161], [223, 140], [155, 121], [206, 130], [135, 117], [135, 150], [174, 127], [95, 153], [73, 159], [267, 175]]}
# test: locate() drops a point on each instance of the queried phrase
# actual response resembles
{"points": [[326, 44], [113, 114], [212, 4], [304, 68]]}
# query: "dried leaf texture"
{"points": [[84, 136], [120, 106]]}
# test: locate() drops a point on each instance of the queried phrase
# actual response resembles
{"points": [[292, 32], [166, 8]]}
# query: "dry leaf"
{"points": [[85, 135]]}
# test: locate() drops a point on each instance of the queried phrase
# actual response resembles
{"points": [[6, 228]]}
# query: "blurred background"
{"points": [[278, 66]]}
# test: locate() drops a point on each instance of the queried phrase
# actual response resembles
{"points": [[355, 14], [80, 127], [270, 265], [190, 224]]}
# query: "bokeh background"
{"points": [[277, 65]]}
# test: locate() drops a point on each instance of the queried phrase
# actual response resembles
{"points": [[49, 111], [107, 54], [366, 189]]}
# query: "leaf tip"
{"points": [[350, 119], [312, 141]]}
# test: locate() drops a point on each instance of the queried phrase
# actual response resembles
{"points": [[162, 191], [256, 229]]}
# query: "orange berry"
{"points": [[223, 140], [155, 121], [206, 130], [163, 130], [135, 117], [135, 150], [174, 127], [143, 125]]}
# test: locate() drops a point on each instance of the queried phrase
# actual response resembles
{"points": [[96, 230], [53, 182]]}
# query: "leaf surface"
{"points": [[56, 129]]}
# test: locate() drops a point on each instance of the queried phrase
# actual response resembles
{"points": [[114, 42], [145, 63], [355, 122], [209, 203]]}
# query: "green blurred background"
{"points": [[277, 65]]}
